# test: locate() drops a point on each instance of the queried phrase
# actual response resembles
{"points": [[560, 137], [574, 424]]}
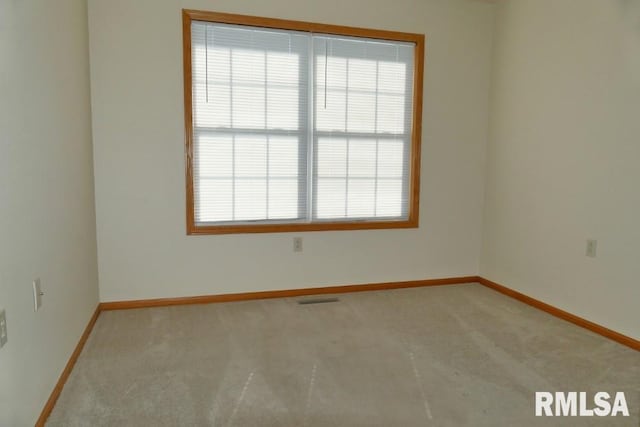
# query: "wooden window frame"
{"points": [[416, 131]]}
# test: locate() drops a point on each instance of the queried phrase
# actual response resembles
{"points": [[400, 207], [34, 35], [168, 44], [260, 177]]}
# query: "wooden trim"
{"points": [[286, 293], [565, 315], [55, 394], [310, 27], [188, 120], [293, 227], [416, 131]]}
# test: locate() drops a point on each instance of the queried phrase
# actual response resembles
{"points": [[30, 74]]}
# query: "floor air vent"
{"points": [[317, 300]]}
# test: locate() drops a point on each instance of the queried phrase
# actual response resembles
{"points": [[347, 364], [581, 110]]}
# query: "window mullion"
{"points": [[268, 139], [375, 188], [310, 169], [346, 125], [233, 139], [408, 145]]}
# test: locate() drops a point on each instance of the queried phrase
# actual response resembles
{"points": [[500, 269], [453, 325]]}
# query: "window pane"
{"points": [[212, 110], [392, 77], [336, 70], [214, 199], [331, 197], [331, 110], [362, 158], [283, 157], [250, 199], [391, 114], [361, 200], [212, 64], [362, 75], [283, 198], [389, 198], [390, 158], [248, 66], [251, 156], [332, 157], [248, 107], [214, 156], [361, 112], [282, 108], [282, 68]]}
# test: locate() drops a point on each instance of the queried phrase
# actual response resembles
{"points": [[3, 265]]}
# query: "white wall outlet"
{"points": [[37, 294], [592, 246], [297, 244], [3, 328]]}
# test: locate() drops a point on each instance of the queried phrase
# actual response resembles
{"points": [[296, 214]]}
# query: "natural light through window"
{"points": [[294, 127]]}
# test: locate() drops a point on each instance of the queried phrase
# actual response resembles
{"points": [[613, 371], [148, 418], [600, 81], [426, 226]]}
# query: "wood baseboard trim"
{"points": [[208, 299], [565, 315], [287, 293], [55, 394]]}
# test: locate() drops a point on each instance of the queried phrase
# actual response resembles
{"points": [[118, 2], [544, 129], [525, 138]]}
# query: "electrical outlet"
{"points": [[297, 244], [3, 328], [592, 246], [37, 294]]}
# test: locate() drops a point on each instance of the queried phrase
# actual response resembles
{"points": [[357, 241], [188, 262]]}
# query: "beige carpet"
{"points": [[443, 356]]}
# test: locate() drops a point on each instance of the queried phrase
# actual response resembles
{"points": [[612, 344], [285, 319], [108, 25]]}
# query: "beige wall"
{"points": [[563, 157], [561, 166], [137, 96], [47, 221]]}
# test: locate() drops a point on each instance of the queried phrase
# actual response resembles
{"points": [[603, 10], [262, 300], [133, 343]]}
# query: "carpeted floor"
{"points": [[459, 355]]}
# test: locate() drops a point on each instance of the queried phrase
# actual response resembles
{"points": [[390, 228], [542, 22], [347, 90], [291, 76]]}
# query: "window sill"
{"points": [[193, 229]]}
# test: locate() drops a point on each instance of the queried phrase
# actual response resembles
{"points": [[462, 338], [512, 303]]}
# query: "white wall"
{"points": [[137, 100], [47, 221], [563, 157]]}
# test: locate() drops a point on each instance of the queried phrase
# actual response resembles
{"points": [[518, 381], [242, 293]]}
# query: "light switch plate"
{"points": [[3, 328]]}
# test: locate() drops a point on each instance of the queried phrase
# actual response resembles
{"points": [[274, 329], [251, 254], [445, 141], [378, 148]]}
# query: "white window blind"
{"points": [[294, 127]]}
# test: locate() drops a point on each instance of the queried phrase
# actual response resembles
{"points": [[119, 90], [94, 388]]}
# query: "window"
{"points": [[294, 126]]}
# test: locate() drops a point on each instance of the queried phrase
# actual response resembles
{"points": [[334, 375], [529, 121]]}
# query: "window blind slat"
{"points": [[361, 88], [251, 116], [248, 82]]}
